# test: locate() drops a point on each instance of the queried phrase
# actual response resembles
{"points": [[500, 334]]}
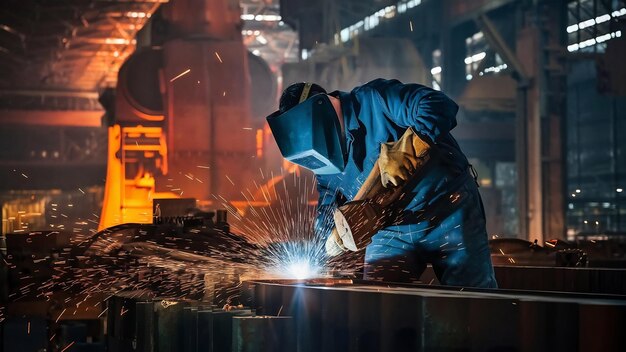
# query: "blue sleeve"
{"points": [[326, 205], [430, 112]]}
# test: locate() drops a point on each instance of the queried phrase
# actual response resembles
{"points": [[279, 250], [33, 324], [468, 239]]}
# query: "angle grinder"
{"points": [[375, 206]]}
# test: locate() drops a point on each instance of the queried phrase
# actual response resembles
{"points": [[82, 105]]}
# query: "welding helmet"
{"points": [[309, 134]]}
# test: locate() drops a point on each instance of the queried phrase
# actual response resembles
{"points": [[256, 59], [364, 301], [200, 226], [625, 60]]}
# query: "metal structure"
{"points": [[176, 103], [341, 315], [266, 34], [75, 46], [595, 42], [54, 56]]}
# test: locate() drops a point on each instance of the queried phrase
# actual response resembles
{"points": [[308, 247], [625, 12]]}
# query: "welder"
{"points": [[344, 136]]}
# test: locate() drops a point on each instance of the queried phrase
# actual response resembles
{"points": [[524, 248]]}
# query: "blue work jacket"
{"points": [[380, 111]]}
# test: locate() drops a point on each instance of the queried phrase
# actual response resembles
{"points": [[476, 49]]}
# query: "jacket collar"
{"points": [[352, 127], [347, 110]]}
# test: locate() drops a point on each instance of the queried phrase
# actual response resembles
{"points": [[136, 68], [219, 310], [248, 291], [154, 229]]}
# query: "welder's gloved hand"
{"points": [[399, 160], [334, 244]]}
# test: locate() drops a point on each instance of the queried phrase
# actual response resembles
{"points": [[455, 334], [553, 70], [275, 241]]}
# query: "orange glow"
{"points": [[128, 198], [259, 143], [53, 117], [266, 190], [291, 167]]}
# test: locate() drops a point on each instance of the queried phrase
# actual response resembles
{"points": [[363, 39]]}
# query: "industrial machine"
{"points": [[172, 113]]}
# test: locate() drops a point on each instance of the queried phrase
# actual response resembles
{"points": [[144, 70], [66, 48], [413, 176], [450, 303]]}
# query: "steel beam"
{"points": [[52, 118], [540, 118], [51, 93], [496, 41]]}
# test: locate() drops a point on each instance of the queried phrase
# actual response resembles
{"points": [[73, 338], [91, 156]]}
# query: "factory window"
{"points": [[480, 59], [494, 64], [505, 183], [373, 20], [436, 70], [591, 23], [596, 154], [476, 51]]}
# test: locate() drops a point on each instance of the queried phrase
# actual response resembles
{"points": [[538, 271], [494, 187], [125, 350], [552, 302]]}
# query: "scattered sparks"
{"points": [[219, 58], [231, 181], [68, 346], [280, 310], [104, 311], [180, 75], [247, 128], [282, 227], [81, 191], [59, 317], [167, 303], [411, 25], [24, 176]]}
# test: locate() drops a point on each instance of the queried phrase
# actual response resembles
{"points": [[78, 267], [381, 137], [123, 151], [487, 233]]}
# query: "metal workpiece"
{"points": [[210, 329], [223, 328], [140, 323], [264, 334], [367, 316], [610, 281]]}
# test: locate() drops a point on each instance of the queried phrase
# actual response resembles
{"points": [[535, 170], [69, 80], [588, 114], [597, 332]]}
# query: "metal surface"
{"points": [[223, 328], [581, 280], [540, 150], [214, 328], [137, 323], [264, 333], [368, 316]]}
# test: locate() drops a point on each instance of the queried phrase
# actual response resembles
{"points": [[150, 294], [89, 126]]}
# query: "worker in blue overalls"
{"points": [[339, 136]]}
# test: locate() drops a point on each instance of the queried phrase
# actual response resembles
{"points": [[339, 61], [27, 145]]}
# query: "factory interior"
{"points": [[153, 198]]}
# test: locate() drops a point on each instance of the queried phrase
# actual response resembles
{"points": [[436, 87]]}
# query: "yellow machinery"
{"points": [[180, 120], [130, 185]]}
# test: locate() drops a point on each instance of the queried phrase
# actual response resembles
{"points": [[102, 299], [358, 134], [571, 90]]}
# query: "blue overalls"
{"points": [[444, 222]]}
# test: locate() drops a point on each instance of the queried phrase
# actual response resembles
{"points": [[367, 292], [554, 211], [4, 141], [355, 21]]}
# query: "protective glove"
{"points": [[334, 244], [399, 160]]}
